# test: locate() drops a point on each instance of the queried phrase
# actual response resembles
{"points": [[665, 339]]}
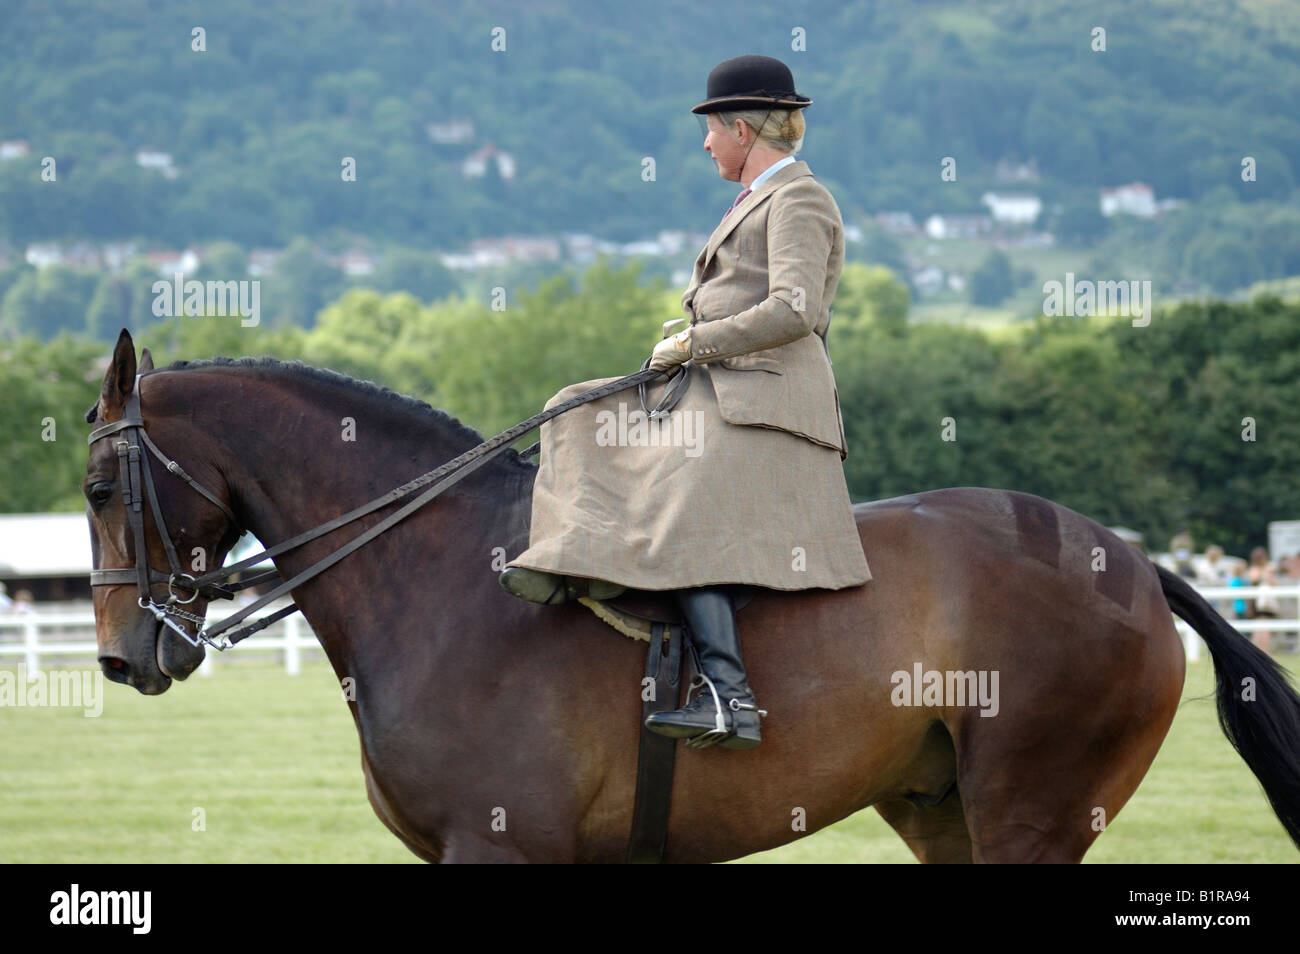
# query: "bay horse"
{"points": [[496, 730]]}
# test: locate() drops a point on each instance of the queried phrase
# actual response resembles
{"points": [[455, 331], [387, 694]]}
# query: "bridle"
{"points": [[137, 483]]}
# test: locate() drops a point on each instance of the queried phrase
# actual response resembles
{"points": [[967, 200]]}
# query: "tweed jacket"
{"points": [[759, 303]]}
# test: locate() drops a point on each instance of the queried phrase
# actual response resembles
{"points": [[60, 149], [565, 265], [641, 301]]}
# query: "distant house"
{"points": [[157, 161], [928, 279], [1013, 208], [83, 255], [491, 252], [354, 263], [1136, 198], [450, 132], [169, 263], [117, 254], [14, 149], [44, 254], [583, 248], [897, 223], [1011, 170], [957, 226], [475, 165], [520, 248], [261, 262]]}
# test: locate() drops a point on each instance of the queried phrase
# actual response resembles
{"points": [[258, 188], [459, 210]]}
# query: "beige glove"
{"points": [[671, 352]]}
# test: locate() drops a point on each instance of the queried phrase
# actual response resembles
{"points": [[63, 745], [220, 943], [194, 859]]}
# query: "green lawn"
{"points": [[272, 761]]}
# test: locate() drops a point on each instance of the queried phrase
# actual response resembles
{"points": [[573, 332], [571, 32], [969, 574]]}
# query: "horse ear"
{"points": [[120, 377], [146, 361]]}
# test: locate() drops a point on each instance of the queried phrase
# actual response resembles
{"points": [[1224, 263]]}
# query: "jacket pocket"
{"points": [[754, 361]]}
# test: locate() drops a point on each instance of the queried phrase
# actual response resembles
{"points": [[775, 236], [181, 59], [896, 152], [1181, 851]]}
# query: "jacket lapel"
{"points": [[779, 178]]}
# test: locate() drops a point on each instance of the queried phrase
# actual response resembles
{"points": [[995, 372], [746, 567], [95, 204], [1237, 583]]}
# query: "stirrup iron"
{"points": [[719, 730]]}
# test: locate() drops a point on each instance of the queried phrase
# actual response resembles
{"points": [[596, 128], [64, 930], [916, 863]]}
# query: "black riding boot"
{"points": [[711, 618]]}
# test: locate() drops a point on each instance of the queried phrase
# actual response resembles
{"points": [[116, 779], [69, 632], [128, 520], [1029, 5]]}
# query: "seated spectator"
{"points": [[1237, 577], [1212, 570], [1264, 606], [1180, 547]]}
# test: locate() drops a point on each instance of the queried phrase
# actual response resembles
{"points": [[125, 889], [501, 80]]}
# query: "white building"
{"points": [[44, 254], [476, 163], [957, 226], [1013, 208], [157, 161], [450, 132], [1136, 198]]}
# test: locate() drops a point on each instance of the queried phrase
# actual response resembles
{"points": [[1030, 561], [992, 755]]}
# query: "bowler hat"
{"points": [[751, 82]]}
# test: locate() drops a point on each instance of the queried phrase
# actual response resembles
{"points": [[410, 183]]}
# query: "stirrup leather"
{"points": [[719, 730]]}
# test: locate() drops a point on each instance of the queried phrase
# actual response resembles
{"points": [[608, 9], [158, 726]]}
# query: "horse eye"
{"points": [[100, 493]]}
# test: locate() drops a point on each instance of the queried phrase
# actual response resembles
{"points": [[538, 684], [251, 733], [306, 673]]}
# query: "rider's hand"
{"points": [[671, 352]]}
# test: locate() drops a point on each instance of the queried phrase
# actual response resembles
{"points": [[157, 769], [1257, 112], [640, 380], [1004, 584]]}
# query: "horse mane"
{"points": [[384, 395]]}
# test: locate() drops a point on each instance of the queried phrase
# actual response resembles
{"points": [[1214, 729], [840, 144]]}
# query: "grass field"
{"points": [[273, 762]]}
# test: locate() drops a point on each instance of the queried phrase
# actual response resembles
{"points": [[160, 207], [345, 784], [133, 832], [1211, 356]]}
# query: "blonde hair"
{"points": [[782, 129]]}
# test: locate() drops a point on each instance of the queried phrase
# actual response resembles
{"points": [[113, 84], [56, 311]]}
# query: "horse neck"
{"points": [[297, 453]]}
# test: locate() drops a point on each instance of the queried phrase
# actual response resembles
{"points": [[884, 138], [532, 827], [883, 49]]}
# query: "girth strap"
{"points": [[657, 755]]}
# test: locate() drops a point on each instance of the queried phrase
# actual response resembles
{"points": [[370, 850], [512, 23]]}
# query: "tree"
{"points": [[992, 281], [869, 294], [1081, 222], [49, 300], [421, 274]]}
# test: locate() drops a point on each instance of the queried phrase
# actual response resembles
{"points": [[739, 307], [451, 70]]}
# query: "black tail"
{"points": [[1259, 709]]}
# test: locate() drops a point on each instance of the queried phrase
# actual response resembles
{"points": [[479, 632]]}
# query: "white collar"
{"points": [[770, 171]]}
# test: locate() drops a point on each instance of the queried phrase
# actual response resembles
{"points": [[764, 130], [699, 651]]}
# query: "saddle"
{"points": [[635, 612]]}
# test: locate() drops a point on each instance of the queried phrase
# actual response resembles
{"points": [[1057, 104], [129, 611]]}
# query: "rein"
{"points": [[136, 478]]}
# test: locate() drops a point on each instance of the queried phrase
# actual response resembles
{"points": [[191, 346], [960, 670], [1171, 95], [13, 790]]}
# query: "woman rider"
{"points": [[743, 484]]}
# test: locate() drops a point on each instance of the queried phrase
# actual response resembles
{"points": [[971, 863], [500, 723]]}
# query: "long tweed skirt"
{"points": [[688, 501]]}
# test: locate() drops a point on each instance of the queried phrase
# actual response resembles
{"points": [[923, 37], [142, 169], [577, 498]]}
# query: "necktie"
{"points": [[739, 199]]}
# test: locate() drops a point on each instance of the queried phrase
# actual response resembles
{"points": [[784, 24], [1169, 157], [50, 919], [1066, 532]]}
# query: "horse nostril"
{"points": [[115, 669]]}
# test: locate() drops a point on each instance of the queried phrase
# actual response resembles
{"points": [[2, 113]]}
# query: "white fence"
{"points": [[33, 636], [1222, 599]]}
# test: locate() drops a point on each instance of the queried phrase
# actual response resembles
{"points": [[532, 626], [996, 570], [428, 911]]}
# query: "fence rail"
{"points": [[72, 632]]}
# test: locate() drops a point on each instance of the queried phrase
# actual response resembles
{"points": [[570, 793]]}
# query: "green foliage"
{"points": [[1136, 425], [259, 122], [869, 294], [992, 282], [47, 301], [46, 389], [1080, 222]]}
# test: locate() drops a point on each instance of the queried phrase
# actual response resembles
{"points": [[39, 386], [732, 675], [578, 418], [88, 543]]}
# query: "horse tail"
{"points": [[1259, 709]]}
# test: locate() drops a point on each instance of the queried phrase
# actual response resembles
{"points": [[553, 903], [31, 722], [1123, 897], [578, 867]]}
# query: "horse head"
{"points": [[127, 488]]}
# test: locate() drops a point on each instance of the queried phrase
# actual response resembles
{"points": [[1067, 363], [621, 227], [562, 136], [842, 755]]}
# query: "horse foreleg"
{"points": [[935, 831], [471, 849]]}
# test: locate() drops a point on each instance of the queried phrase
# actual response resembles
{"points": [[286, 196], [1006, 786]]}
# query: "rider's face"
{"points": [[728, 147]]}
